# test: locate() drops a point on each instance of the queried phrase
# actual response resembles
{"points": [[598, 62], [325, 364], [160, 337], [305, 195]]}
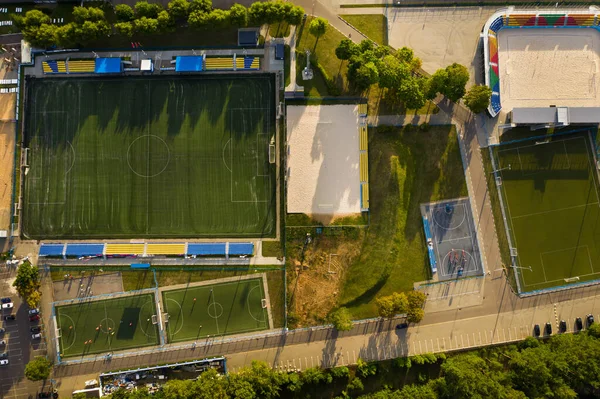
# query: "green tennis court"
{"points": [[551, 198], [149, 157], [218, 309], [107, 325]]}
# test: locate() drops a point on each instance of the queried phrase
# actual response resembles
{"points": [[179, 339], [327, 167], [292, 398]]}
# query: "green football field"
{"points": [[149, 157], [219, 309], [551, 199], [107, 325]]}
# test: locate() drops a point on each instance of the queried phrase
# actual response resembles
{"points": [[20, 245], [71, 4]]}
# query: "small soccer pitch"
{"points": [[550, 191], [183, 156], [106, 325], [217, 309]]}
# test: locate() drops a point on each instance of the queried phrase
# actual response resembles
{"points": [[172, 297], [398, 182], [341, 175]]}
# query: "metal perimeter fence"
{"points": [[509, 232]]}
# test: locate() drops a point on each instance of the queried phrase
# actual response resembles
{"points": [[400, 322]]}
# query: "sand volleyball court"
{"points": [[544, 67], [323, 160]]}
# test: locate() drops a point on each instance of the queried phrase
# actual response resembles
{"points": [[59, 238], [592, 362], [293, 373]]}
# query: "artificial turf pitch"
{"points": [[122, 323], [551, 200], [149, 157], [218, 309]]}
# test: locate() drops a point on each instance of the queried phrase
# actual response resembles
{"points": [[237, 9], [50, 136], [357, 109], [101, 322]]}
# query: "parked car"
{"points": [[4, 355], [3, 362], [10, 317], [36, 336], [35, 317], [536, 330], [36, 329], [2, 342], [5, 300], [562, 326], [548, 329], [2, 330], [402, 326], [578, 324], [590, 319], [34, 311], [8, 305]]}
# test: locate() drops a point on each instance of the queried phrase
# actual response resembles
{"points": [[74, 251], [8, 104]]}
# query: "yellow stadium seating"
{"points": [[364, 167], [219, 63], [165, 249], [255, 63], [46, 68], [364, 139], [62, 66], [82, 66], [125, 249], [362, 109], [239, 63]]}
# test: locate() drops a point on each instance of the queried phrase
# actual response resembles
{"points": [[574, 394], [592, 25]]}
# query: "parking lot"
{"points": [[19, 345]]}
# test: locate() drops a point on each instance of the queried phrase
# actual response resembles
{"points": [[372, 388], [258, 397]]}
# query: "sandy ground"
{"points": [[70, 287], [323, 160], [7, 147], [539, 68], [439, 36]]}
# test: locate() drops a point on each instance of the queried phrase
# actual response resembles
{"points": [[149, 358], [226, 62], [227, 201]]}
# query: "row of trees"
{"points": [[566, 366], [27, 284], [90, 23], [399, 73]]}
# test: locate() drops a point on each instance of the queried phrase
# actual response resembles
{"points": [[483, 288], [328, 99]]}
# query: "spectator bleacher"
{"points": [[54, 66], [81, 66], [252, 63], [218, 63]]}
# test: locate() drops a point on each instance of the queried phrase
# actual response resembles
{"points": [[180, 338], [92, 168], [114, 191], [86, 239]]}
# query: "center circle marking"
{"points": [[215, 310], [143, 144], [107, 323]]}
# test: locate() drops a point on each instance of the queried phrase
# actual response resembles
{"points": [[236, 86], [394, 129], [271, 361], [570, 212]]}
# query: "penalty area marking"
{"points": [[180, 316], [248, 305], [142, 322], [62, 333]]}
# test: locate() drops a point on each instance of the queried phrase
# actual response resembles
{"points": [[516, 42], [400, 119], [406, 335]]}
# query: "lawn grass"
{"points": [[373, 26], [122, 324], [279, 29], [272, 249], [408, 167], [150, 157], [548, 188], [216, 309]]}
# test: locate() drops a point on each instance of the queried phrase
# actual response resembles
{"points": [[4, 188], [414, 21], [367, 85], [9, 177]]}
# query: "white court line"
{"points": [[554, 210]]}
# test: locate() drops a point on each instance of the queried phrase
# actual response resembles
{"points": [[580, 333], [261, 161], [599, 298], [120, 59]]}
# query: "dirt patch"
{"points": [[316, 274], [79, 285], [7, 148]]}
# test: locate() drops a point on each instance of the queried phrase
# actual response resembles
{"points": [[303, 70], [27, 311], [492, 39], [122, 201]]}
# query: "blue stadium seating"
{"points": [[497, 24], [51, 250], [496, 106], [84, 250], [241, 248], [206, 249]]}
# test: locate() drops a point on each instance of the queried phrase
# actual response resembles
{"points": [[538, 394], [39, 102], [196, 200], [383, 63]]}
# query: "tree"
{"points": [[416, 299], [435, 84], [198, 19], [124, 13], [27, 281], [315, 376], [470, 376], [594, 330], [341, 319], [125, 28], [146, 26], [238, 15], [346, 50], [165, 21], [201, 5], [82, 14], [210, 385], [38, 369], [41, 36], [318, 27], [179, 9], [295, 15], [477, 98], [218, 18], [454, 87], [148, 10], [390, 72], [35, 18], [365, 76], [257, 13], [391, 305]]}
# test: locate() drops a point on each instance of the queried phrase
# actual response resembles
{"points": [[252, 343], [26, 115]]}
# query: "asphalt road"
{"points": [[20, 346]]}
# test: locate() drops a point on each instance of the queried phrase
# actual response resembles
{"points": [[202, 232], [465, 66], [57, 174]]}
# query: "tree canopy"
{"points": [[341, 319], [478, 98], [38, 369], [27, 283], [318, 26]]}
